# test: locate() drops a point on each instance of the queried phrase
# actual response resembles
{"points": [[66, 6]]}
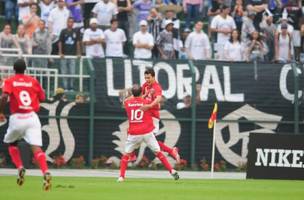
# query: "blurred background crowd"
{"points": [[230, 30]]}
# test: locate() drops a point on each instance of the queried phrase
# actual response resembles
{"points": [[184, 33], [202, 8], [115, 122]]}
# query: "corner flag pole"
{"points": [[213, 150], [212, 124]]}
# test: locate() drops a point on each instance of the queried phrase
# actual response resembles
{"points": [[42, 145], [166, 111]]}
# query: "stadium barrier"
{"points": [[44, 63], [251, 98], [274, 156], [48, 77]]}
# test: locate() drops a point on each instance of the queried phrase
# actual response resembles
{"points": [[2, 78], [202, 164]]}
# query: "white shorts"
{"points": [[156, 125], [134, 141], [26, 126]]}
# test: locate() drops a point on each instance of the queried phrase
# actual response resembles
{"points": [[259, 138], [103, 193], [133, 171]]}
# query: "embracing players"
{"points": [[24, 94], [152, 91], [140, 130]]}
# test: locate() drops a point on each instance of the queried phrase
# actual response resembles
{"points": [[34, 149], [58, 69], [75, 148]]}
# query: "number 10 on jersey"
{"points": [[137, 116]]}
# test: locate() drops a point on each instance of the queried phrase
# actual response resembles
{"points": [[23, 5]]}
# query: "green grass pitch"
{"points": [[71, 188]]}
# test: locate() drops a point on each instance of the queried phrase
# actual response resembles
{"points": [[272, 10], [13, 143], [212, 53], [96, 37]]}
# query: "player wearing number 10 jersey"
{"points": [[140, 130], [24, 94]]}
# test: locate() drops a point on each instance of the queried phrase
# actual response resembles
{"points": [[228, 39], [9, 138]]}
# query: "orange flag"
{"points": [[212, 118]]}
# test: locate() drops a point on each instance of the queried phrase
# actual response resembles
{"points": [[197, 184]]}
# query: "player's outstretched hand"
{"points": [[2, 117], [145, 107]]}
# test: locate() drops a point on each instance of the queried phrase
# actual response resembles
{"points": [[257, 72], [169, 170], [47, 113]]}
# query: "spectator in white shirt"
{"points": [[57, 21], [93, 38], [290, 28], [234, 50], [24, 8], [248, 26], [222, 24], [114, 39], [104, 11], [182, 51], [143, 42], [197, 43], [268, 28], [7, 40], [283, 46], [45, 8], [256, 48], [24, 40]]}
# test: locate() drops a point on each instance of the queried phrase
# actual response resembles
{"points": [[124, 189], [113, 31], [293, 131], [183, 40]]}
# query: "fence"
{"points": [[48, 77], [75, 77], [251, 98]]}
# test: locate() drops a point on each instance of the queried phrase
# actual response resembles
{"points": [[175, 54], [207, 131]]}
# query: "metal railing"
{"points": [[80, 75], [47, 77]]}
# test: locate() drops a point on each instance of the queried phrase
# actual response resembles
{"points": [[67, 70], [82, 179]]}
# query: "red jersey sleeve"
{"points": [[158, 90], [7, 87], [145, 101]]}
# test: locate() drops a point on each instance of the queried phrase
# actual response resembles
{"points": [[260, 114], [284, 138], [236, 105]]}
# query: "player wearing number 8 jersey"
{"points": [[140, 130], [152, 91], [24, 94]]}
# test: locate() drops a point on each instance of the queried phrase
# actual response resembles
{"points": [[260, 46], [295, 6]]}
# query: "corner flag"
{"points": [[212, 124], [212, 118]]}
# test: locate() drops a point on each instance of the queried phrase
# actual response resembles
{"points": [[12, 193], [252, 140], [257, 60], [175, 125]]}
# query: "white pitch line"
{"points": [[130, 173]]}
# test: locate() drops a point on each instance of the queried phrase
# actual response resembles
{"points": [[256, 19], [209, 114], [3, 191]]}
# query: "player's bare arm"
{"points": [[125, 95], [3, 101], [146, 93], [151, 105]]}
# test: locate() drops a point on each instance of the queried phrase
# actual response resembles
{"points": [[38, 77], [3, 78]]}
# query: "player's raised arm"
{"points": [[3, 101], [154, 103], [124, 95], [6, 90]]}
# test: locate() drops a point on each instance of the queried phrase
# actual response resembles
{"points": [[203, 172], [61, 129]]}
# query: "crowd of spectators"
{"points": [[230, 30]]}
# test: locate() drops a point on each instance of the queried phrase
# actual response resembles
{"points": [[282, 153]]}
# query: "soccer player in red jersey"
{"points": [[140, 130], [24, 94], [152, 91]]}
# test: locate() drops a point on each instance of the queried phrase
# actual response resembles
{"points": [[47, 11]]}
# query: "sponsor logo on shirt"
{"points": [[135, 104], [24, 84]]}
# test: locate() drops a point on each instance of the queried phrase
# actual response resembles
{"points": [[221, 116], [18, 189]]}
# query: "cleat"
{"points": [[21, 174], [47, 181], [120, 179], [175, 175], [175, 154]]}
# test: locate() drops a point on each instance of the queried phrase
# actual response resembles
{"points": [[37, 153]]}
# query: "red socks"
{"points": [[38, 155], [41, 159], [165, 148], [164, 160], [15, 156], [125, 158], [123, 165]]}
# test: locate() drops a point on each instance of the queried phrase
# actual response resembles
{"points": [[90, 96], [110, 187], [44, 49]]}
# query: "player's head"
{"points": [[150, 75], [136, 90], [19, 66]]}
